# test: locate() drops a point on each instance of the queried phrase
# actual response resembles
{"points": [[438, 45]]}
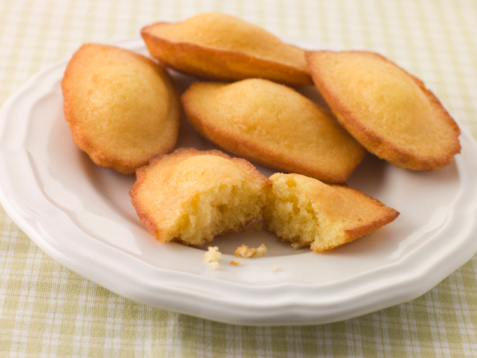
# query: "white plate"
{"points": [[81, 216]]}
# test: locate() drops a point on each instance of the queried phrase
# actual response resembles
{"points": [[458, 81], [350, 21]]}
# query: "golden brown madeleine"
{"points": [[190, 196], [222, 47], [389, 111], [306, 212], [273, 125], [121, 107]]}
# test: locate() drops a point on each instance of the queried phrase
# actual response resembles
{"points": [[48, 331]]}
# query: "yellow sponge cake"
{"points": [[273, 125], [191, 196], [122, 108], [308, 212], [222, 47], [390, 112]]}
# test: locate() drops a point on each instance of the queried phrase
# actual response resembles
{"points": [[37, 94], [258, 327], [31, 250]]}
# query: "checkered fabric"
{"points": [[48, 311]]}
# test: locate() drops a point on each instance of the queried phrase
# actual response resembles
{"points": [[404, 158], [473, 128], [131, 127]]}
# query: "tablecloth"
{"points": [[46, 310]]}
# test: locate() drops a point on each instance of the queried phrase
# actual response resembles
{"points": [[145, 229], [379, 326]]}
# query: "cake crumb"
{"points": [[276, 268], [212, 257], [235, 263], [248, 252]]}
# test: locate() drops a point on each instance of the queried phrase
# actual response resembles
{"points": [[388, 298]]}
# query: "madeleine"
{"points": [[222, 47], [307, 212], [191, 196], [273, 125], [122, 108], [390, 112]]}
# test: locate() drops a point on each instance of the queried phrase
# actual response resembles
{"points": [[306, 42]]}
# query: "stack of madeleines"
{"points": [[124, 111]]}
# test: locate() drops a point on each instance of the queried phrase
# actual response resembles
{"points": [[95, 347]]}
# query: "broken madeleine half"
{"points": [[308, 212], [191, 196], [390, 112], [274, 125], [222, 47], [122, 107]]}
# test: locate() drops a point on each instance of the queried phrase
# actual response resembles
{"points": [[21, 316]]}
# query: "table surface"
{"points": [[47, 310]]}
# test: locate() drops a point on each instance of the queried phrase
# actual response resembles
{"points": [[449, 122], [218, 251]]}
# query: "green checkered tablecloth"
{"points": [[47, 310]]}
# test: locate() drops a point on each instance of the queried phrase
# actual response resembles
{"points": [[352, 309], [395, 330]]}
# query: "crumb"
{"points": [[212, 257], [235, 263], [247, 252], [261, 251], [276, 268]]}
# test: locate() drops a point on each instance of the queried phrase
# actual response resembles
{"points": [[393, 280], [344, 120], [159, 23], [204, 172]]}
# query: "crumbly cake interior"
{"points": [[291, 216], [222, 208]]}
